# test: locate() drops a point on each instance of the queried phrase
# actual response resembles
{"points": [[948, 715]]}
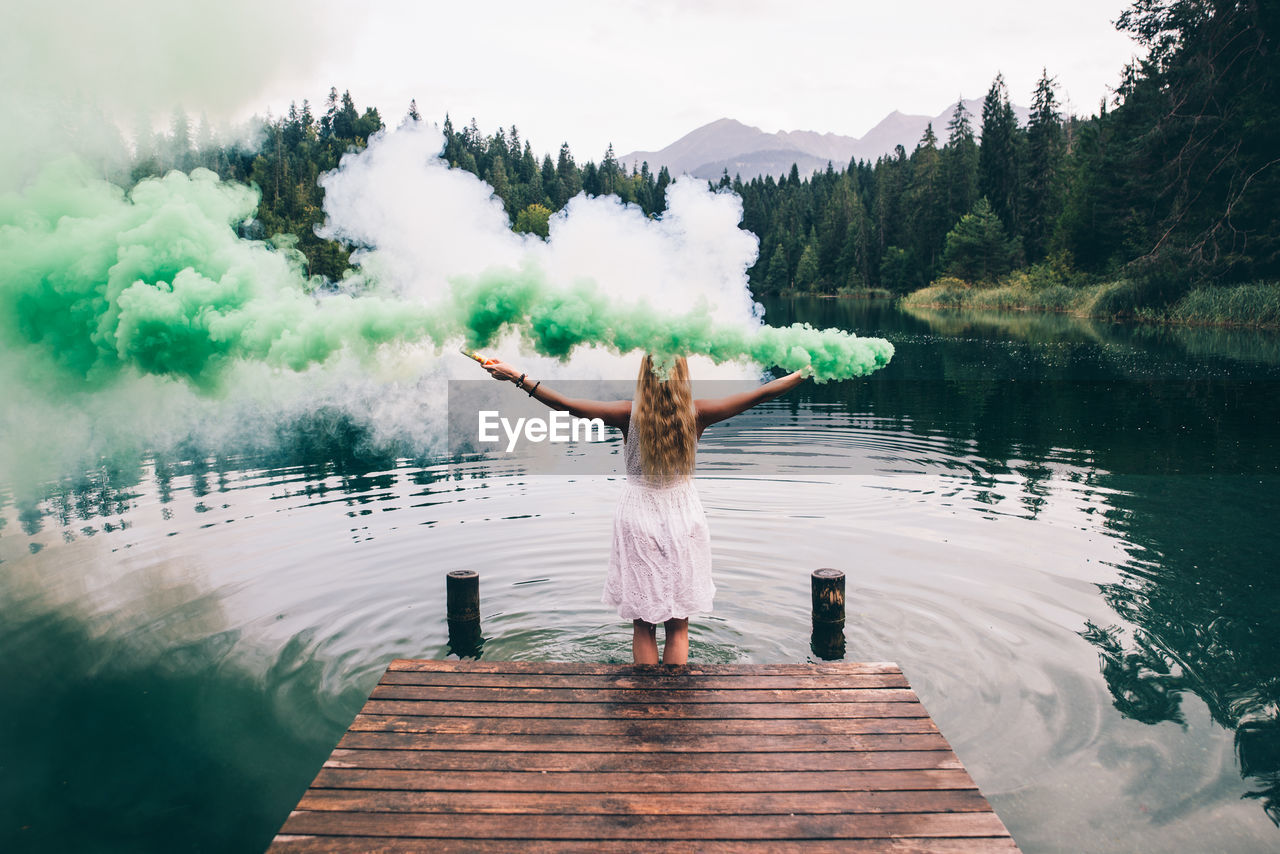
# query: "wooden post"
{"points": [[827, 640], [462, 608]]}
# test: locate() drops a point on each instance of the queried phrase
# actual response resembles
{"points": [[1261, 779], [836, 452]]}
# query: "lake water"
{"points": [[1063, 531]]}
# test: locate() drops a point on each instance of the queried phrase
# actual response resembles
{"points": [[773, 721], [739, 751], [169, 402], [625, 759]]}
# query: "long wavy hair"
{"points": [[664, 421]]}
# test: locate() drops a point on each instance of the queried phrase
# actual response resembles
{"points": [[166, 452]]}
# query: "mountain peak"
{"points": [[728, 144], [726, 123]]}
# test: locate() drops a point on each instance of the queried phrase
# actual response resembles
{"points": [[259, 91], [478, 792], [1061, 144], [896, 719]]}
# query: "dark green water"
{"points": [[1064, 532]]}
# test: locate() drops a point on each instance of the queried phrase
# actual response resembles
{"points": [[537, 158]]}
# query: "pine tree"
{"points": [[660, 189], [179, 155], [591, 179], [568, 178], [890, 182], [807, 274], [528, 170], [344, 120], [549, 180], [330, 113], [1042, 185], [926, 209], [997, 157], [832, 231], [778, 276], [207, 146], [960, 165], [496, 177], [610, 173], [1199, 123], [452, 143], [855, 257], [978, 248], [514, 151]]}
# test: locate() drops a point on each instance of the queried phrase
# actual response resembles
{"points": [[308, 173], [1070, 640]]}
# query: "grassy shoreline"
{"points": [[1249, 306]]}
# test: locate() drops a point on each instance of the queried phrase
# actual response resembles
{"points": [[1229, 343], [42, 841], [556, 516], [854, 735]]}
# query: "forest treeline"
{"points": [[1169, 187]]}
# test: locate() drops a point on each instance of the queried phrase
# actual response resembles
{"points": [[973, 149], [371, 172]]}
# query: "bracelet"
{"points": [[520, 382], [535, 388]]}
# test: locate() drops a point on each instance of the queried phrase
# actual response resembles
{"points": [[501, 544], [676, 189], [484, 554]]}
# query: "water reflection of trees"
{"points": [[1188, 462], [1180, 434], [1022, 404], [1257, 346], [143, 719], [313, 449], [119, 742], [1200, 607]]}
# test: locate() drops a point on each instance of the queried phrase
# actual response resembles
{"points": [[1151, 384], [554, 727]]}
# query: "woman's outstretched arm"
{"points": [[615, 413], [711, 410]]}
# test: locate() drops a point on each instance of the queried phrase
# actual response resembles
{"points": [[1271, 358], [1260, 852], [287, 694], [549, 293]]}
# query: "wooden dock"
{"points": [[489, 756]]}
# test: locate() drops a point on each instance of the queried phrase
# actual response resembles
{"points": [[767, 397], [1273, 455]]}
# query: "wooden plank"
{"points": [[467, 694], [459, 760], [836, 668], [555, 756], [666, 827], [647, 803], [642, 742], [625, 679], [384, 845], [336, 777], [645, 711], [656, 728]]}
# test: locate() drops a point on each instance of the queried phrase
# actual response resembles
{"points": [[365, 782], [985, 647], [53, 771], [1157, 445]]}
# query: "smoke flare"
{"points": [[157, 281], [142, 319]]}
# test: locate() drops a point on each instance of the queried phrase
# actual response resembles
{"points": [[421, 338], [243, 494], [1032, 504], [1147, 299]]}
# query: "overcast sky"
{"points": [[637, 73], [641, 74]]}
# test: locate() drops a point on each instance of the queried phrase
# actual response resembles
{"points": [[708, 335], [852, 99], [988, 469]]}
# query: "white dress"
{"points": [[660, 564]]}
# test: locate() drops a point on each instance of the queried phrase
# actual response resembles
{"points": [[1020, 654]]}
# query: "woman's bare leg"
{"points": [[644, 642], [675, 648]]}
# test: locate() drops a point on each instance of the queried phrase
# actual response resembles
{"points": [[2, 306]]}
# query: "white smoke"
{"points": [[420, 226], [427, 224], [79, 77]]}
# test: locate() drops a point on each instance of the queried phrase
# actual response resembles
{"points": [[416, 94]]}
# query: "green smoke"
{"points": [[158, 281], [555, 321], [95, 282]]}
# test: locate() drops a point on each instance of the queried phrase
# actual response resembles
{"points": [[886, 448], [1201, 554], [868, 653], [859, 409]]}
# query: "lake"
{"points": [[1063, 531]]}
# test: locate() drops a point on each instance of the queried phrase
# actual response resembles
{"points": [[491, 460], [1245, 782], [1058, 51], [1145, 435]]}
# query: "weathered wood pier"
{"points": [[489, 756]]}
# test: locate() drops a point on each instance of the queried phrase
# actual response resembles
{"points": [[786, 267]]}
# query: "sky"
{"points": [[641, 74], [638, 74]]}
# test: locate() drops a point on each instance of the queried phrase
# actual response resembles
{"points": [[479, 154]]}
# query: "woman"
{"points": [[660, 564]]}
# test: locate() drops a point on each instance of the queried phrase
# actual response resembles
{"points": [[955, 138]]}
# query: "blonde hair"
{"points": [[664, 421]]}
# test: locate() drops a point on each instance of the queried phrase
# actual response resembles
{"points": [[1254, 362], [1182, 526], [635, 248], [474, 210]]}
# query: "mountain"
{"points": [[748, 151]]}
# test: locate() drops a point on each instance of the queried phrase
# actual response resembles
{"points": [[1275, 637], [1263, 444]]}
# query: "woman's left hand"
{"points": [[501, 371]]}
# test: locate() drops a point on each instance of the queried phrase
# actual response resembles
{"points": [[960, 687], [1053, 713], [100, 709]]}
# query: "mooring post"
{"points": [[462, 609], [827, 640]]}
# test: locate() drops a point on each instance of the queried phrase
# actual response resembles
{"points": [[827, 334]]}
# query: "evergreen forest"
{"points": [[1169, 188]]}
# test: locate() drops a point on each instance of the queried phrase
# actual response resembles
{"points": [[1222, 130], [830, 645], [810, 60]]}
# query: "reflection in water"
{"points": [[222, 751], [1198, 597], [1014, 500], [131, 726], [1200, 607], [1261, 346]]}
